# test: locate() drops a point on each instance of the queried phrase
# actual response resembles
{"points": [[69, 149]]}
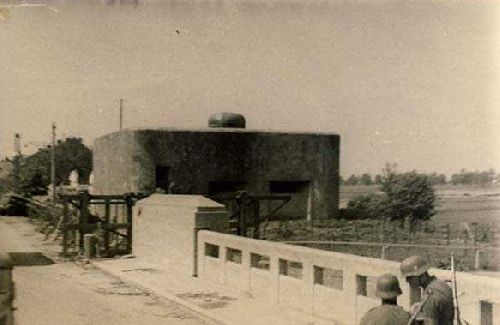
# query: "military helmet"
{"points": [[5, 261], [388, 286], [414, 266]]}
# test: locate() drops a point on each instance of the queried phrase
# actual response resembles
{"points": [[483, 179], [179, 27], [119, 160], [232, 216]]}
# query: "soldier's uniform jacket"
{"points": [[385, 315], [437, 309]]}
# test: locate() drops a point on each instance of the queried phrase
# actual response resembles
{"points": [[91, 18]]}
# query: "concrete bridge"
{"points": [[185, 235]]}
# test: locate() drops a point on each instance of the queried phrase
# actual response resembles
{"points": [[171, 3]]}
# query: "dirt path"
{"points": [[76, 293]]}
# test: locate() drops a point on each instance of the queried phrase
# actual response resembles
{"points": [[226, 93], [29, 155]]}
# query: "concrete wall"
{"points": [[116, 164], [126, 161], [164, 228], [336, 287], [320, 290]]}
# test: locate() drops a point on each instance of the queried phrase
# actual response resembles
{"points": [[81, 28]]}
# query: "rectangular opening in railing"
{"points": [[211, 250], [233, 255], [361, 285], [329, 277], [365, 286], [259, 261], [290, 268]]}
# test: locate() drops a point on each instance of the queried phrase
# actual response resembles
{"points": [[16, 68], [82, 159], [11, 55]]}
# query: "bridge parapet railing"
{"points": [[330, 285]]}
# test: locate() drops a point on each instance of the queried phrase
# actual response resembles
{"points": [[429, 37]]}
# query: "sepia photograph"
{"points": [[249, 162]]}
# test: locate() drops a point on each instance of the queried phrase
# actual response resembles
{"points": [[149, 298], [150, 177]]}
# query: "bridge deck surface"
{"points": [[215, 304]]}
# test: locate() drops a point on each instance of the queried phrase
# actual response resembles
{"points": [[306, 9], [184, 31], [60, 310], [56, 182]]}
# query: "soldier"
{"points": [[388, 313], [436, 307]]}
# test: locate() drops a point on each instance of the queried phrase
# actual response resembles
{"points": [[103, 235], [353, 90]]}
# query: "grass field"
{"points": [[458, 207], [455, 204]]}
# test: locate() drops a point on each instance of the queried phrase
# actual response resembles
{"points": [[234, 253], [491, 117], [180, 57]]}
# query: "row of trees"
{"points": [[464, 177], [474, 177], [31, 174]]}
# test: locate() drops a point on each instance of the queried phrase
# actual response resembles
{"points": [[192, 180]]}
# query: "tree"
{"points": [[441, 180], [378, 179], [436, 179], [365, 179], [70, 154], [409, 196], [352, 180]]}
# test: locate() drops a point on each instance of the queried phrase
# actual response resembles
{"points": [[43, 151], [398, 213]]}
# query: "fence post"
{"points": [[129, 223], [493, 235], [410, 226], [394, 232], [383, 252], [382, 231], [256, 220], [89, 245], [107, 210], [474, 234], [63, 228], [446, 232], [84, 218], [478, 260]]}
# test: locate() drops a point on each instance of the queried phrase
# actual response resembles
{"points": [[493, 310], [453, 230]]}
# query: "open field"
{"points": [[455, 204], [458, 208]]}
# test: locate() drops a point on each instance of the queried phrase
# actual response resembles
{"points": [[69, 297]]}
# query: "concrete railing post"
{"points": [[274, 268]]}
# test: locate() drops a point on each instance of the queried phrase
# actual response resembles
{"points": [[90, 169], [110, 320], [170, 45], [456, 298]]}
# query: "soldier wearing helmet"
{"points": [[388, 313], [436, 307]]}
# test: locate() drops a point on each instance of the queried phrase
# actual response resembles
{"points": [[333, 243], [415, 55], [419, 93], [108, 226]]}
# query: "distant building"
{"points": [[223, 159]]}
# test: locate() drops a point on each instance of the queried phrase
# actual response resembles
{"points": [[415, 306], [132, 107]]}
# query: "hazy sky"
{"points": [[411, 82]]}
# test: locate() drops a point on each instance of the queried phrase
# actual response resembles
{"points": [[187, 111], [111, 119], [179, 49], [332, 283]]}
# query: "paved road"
{"points": [[74, 293]]}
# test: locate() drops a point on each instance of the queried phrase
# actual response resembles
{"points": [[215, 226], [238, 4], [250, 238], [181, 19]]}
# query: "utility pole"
{"points": [[17, 144], [17, 160], [53, 165], [121, 113]]}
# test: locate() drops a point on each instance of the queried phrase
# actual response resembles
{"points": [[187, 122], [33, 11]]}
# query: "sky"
{"points": [[409, 82]]}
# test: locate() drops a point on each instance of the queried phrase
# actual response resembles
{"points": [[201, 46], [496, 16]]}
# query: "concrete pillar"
{"points": [[246, 269], [350, 289], [308, 279], [89, 241], [165, 226], [274, 269]]}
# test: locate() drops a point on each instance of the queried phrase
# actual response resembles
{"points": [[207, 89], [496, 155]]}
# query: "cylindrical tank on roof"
{"points": [[227, 120]]}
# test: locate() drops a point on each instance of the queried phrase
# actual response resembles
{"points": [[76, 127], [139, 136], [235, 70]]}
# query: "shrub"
{"points": [[408, 196], [365, 206]]}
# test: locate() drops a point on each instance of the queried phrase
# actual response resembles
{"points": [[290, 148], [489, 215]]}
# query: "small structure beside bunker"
{"points": [[223, 159]]}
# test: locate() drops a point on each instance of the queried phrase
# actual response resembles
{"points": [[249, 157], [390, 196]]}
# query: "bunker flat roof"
{"points": [[222, 130]]}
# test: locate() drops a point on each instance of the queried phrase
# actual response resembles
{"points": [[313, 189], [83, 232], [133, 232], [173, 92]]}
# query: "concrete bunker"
{"points": [[221, 160]]}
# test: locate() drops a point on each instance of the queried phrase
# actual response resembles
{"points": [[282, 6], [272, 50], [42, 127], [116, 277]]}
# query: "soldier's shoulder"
{"points": [[438, 287], [399, 311], [374, 309], [378, 310], [368, 317], [384, 314]]}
